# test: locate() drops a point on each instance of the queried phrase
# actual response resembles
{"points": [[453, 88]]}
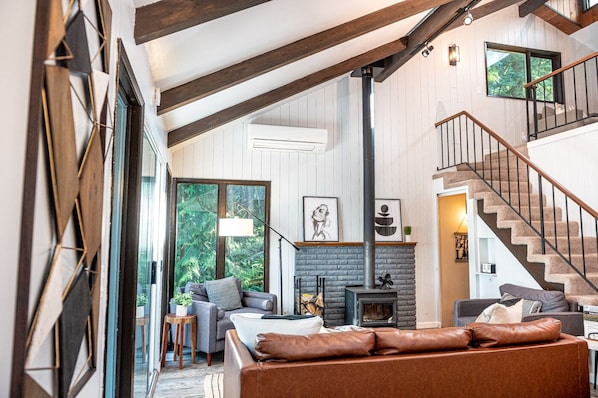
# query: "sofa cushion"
{"points": [[276, 346], [248, 326], [224, 293], [552, 300], [496, 335], [393, 341]]}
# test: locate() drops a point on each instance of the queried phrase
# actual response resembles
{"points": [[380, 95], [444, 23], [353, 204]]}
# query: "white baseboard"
{"points": [[428, 325]]}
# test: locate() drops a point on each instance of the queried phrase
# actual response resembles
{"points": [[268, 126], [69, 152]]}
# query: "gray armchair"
{"points": [[554, 305], [212, 322]]}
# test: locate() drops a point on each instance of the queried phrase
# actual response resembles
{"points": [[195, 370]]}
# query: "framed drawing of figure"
{"points": [[387, 220], [320, 219]]}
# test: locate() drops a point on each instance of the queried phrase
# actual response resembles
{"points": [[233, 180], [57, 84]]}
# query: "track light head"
{"points": [[427, 50], [468, 18]]}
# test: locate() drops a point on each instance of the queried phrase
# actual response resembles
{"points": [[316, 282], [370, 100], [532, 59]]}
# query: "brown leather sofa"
{"points": [[481, 360]]}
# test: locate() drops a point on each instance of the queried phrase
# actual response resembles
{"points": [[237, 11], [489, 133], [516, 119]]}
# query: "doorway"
{"points": [[453, 246]]}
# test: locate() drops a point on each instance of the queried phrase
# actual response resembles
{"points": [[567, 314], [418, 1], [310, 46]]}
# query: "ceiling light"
{"points": [[427, 50], [468, 18]]}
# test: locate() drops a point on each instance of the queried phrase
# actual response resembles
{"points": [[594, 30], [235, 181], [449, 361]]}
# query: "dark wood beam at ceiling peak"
{"points": [[530, 6], [169, 16], [266, 62], [429, 29], [298, 86]]}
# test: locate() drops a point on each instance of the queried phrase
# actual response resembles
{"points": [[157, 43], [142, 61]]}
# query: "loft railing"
{"points": [[567, 226], [565, 96]]}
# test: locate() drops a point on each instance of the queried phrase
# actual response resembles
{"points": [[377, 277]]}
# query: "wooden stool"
{"points": [[180, 322], [142, 322]]}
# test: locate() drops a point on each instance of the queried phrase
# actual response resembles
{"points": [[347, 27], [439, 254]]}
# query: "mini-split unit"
{"points": [[285, 138]]}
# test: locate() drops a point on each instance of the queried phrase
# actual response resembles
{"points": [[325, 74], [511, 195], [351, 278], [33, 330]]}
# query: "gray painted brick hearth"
{"points": [[342, 265]]}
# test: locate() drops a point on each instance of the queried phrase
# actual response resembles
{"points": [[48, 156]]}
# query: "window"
{"points": [[200, 254], [508, 68], [587, 4]]}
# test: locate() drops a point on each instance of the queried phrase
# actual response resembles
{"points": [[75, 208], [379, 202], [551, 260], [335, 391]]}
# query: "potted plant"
{"points": [[407, 233], [141, 302], [182, 301]]}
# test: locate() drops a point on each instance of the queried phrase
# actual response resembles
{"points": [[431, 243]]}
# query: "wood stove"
{"points": [[370, 307]]}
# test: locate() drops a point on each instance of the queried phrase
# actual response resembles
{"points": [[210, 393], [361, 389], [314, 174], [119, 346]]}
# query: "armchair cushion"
{"points": [[224, 293]]}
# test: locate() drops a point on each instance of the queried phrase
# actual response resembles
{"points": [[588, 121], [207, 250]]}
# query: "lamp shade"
{"points": [[235, 227]]}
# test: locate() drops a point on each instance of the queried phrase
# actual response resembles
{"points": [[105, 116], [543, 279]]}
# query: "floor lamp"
{"points": [[244, 227]]}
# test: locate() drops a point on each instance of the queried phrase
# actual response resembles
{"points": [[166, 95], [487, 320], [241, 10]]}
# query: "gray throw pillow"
{"points": [[529, 306], [224, 293], [198, 290]]}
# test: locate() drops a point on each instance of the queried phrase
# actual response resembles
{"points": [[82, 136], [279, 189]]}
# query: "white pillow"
{"points": [[249, 325], [499, 313]]}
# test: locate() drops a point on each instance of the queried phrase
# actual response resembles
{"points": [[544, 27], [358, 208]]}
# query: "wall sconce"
{"points": [[454, 55], [427, 50], [468, 18]]}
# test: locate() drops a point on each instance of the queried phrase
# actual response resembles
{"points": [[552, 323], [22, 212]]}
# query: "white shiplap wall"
{"points": [[407, 105]]}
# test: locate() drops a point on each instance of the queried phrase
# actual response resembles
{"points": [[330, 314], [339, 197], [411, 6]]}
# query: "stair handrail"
{"points": [[522, 157], [559, 87], [508, 148], [560, 70]]}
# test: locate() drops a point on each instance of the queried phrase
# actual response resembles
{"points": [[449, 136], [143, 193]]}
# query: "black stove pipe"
{"points": [[369, 179]]}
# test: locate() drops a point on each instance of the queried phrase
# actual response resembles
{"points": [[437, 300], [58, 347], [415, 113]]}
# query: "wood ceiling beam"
{"points": [[530, 6], [168, 16], [429, 29], [261, 101], [557, 20], [266, 62]]}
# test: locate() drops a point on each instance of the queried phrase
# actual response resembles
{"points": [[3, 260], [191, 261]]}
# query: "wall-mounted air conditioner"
{"points": [[284, 138]]}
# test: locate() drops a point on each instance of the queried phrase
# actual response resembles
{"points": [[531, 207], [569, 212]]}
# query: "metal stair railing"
{"points": [[569, 94], [464, 140]]}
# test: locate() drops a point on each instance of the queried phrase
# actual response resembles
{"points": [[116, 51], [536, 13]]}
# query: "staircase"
{"points": [[546, 239]]}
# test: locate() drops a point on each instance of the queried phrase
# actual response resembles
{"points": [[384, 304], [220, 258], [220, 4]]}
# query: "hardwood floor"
{"points": [[187, 382]]}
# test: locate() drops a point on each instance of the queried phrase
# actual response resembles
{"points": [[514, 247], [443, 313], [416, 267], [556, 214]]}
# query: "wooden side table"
{"points": [[179, 322], [142, 322]]}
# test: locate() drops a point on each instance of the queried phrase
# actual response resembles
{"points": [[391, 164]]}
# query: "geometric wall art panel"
{"points": [[90, 196], [76, 37], [32, 389], [48, 311], [54, 335], [73, 324], [60, 132], [56, 30]]}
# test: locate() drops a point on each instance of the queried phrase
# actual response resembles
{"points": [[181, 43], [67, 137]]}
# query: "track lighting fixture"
{"points": [[468, 18], [427, 50]]}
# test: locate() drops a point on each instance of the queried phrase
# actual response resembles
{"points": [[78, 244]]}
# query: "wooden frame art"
{"points": [[320, 219], [54, 352]]}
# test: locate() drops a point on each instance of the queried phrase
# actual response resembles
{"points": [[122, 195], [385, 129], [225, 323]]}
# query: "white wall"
{"points": [[407, 105], [576, 165], [16, 32]]}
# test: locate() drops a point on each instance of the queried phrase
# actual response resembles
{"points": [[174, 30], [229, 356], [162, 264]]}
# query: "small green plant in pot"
{"points": [[407, 233], [141, 302], [182, 301]]}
